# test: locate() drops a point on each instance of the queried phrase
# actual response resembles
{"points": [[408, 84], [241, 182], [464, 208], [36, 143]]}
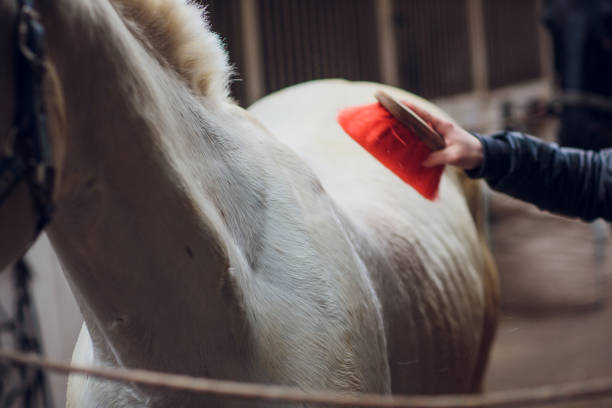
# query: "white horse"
{"points": [[198, 240]]}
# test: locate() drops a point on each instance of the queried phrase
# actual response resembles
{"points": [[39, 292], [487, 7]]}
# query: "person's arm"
{"points": [[566, 181]]}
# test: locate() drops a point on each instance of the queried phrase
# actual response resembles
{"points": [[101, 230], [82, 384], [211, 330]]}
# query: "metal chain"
{"points": [[22, 386]]}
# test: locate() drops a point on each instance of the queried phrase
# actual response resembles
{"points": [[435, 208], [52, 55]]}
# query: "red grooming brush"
{"points": [[398, 138]]}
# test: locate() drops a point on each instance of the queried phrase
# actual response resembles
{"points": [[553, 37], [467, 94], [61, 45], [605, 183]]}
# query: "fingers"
{"points": [[465, 156], [462, 149], [437, 158]]}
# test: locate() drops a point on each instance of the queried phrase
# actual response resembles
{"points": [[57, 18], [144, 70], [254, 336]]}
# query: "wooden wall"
{"points": [[513, 51], [432, 47], [313, 39]]}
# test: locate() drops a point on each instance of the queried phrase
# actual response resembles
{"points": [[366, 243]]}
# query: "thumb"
{"points": [[439, 124]]}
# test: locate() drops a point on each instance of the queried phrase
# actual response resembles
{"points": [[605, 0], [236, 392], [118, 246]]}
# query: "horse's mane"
{"points": [[179, 34]]}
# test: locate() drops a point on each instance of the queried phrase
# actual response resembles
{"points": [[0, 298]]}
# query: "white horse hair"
{"points": [[263, 246]]}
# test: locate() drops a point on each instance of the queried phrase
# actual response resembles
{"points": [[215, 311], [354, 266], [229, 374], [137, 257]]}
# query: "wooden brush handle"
{"points": [[411, 120]]}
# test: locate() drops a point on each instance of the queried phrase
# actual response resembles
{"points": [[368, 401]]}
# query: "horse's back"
{"points": [[425, 258]]}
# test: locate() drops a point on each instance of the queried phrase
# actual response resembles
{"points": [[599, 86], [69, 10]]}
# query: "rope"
{"points": [[512, 398]]}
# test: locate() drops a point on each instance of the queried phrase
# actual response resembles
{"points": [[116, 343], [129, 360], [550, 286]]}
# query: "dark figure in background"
{"points": [[582, 37]]}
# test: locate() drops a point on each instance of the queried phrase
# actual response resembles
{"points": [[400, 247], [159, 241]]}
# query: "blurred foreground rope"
{"points": [[512, 398]]}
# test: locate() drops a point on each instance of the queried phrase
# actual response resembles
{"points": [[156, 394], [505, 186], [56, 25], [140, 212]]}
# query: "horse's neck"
{"points": [[140, 225]]}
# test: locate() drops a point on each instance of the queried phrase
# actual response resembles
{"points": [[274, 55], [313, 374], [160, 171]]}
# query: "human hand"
{"points": [[462, 148]]}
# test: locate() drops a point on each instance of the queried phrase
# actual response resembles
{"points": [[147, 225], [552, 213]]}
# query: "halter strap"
{"points": [[28, 153]]}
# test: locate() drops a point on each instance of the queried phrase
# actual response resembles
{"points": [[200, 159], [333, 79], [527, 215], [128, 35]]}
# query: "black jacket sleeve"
{"points": [[566, 181]]}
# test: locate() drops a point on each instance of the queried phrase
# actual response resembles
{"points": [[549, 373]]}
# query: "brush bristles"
{"points": [[392, 144]]}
